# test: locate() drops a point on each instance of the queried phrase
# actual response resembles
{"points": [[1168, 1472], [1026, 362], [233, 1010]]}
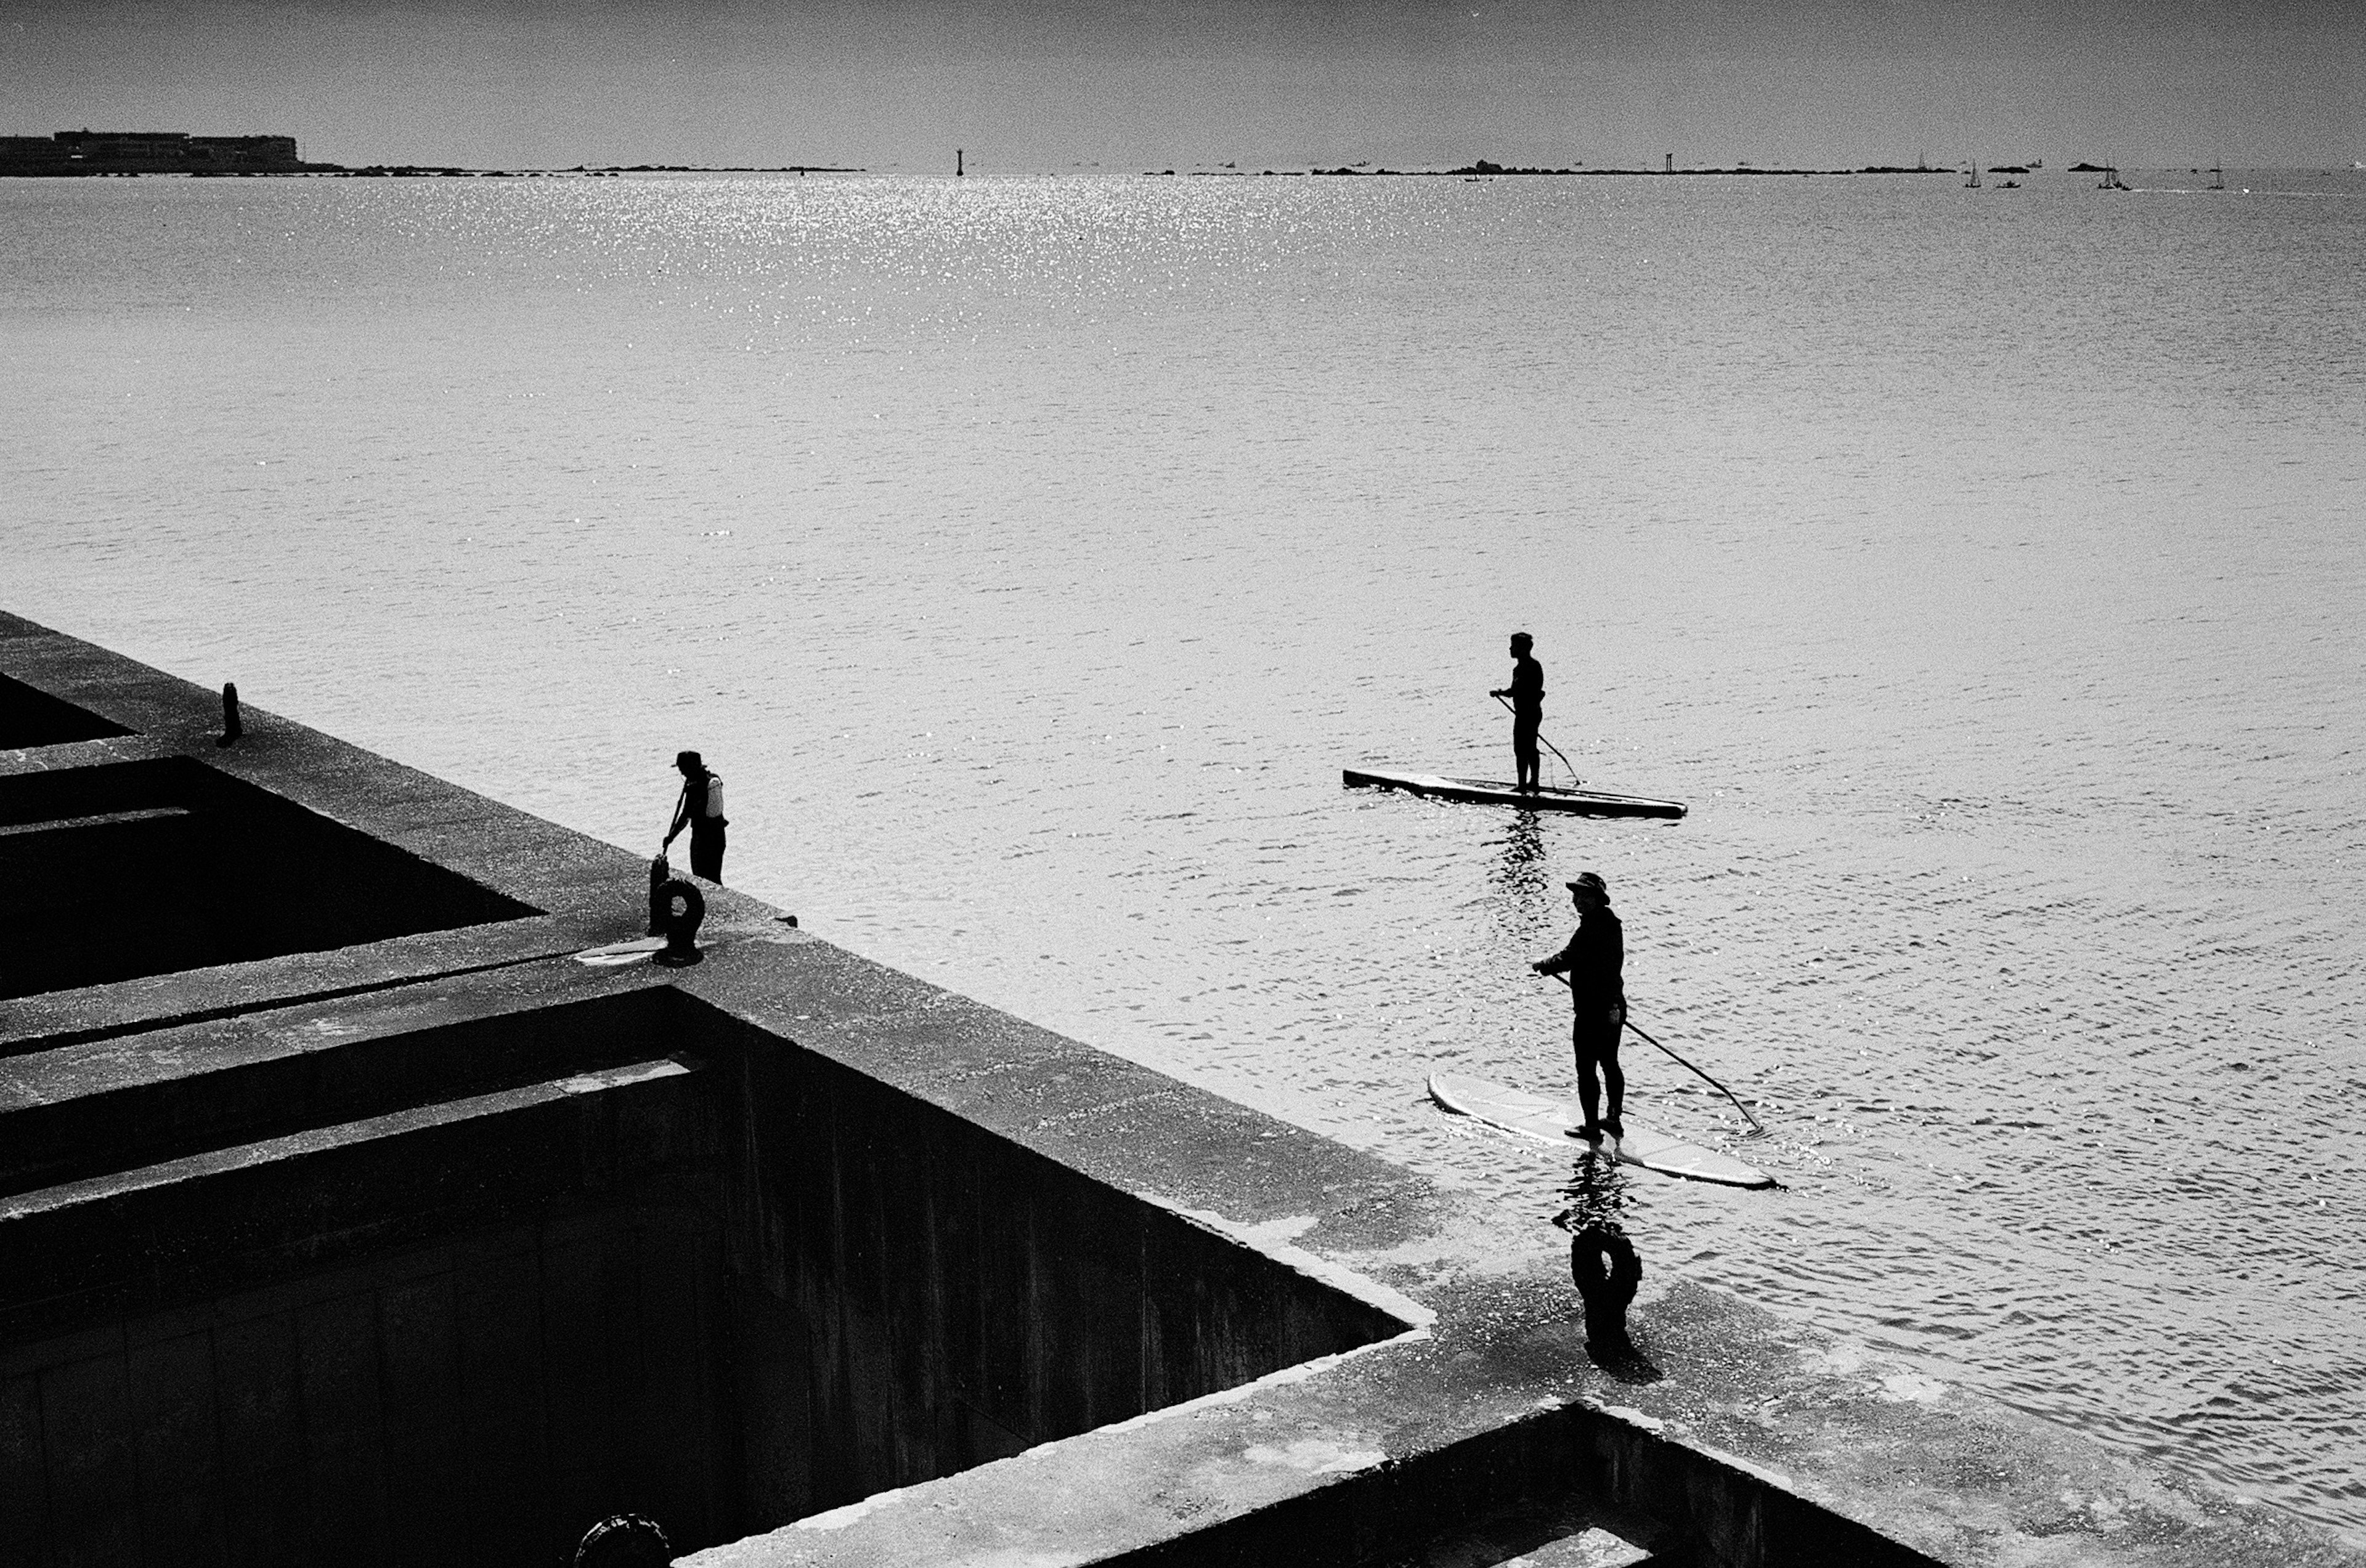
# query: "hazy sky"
{"points": [[1032, 86]]}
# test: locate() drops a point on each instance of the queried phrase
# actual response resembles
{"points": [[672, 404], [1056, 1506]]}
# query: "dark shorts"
{"points": [[1594, 1038]]}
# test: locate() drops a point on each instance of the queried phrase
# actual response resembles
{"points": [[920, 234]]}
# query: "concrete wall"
{"points": [[476, 1401], [1531, 1483], [453, 1334], [727, 1290], [921, 1295], [83, 1111]]}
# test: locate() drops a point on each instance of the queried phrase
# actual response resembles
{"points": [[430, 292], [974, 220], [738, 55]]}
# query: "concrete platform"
{"points": [[345, 1216]]}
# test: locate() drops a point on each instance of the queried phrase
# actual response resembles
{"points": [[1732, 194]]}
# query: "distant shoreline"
{"points": [[420, 171], [1482, 170], [435, 171]]}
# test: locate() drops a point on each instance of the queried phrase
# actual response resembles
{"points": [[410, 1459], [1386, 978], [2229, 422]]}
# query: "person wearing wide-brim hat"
{"points": [[700, 810], [1594, 961]]}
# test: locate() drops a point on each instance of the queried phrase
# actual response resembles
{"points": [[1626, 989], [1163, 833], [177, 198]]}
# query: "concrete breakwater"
{"points": [[345, 1214]]}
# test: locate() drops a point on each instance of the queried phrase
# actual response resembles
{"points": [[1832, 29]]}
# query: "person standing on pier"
{"points": [[1594, 962], [701, 810], [1528, 695]]}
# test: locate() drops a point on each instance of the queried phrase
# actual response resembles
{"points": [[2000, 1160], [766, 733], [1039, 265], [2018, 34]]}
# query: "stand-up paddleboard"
{"points": [[1495, 791], [1549, 1122]]}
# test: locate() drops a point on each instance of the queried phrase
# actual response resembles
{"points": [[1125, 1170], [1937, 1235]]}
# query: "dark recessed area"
{"points": [[85, 1111], [31, 717], [728, 1282], [148, 868]]}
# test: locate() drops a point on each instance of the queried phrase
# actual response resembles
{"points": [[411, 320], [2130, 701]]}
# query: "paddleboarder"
{"points": [[1594, 961], [1526, 692], [700, 810]]}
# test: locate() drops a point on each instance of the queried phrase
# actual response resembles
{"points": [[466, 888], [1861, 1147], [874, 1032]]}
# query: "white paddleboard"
{"points": [[1549, 1122]]}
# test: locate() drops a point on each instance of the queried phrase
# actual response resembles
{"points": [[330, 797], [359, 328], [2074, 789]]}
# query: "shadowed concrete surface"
{"points": [[187, 869], [29, 717], [347, 1214]]}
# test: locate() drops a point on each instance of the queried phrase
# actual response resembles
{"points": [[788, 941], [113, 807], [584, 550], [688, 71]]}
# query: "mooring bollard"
{"points": [[1603, 1263], [659, 874], [685, 907], [231, 728]]}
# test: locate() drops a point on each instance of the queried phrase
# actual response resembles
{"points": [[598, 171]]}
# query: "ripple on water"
{"points": [[1030, 556]]}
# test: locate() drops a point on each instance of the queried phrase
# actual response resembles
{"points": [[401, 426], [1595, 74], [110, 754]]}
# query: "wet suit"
{"points": [[1527, 693], [1594, 961]]}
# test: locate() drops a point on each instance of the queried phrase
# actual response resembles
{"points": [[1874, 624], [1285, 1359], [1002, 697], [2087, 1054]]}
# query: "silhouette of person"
{"points": [[1594, 961], [701, 810], [1527, 693]]}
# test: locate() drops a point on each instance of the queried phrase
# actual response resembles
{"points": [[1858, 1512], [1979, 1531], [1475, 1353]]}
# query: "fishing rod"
{"points": [[1687, 1066], [1573, 780]]}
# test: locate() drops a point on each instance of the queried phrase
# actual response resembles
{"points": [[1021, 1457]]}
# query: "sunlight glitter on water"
{"points": [[1030, 556]]}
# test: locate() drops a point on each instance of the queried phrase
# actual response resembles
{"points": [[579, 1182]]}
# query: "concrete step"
{"points": [[83, 1111], [228, 1218]]}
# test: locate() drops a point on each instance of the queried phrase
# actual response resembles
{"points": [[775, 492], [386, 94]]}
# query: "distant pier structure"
{"points": [[90, 151]]}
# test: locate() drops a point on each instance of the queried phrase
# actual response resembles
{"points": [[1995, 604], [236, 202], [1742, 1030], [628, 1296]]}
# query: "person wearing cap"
{"points": [[1594, 963], [1528, 695], [700, 810]]}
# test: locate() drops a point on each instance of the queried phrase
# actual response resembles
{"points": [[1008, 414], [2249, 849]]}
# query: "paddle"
{"points": [[1574, 781], [1721, 1088]]}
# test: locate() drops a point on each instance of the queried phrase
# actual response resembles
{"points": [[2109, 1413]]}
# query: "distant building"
{"points": [[90, 151]]}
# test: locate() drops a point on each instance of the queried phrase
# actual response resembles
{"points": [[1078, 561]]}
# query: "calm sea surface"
{"points": [[1985, 567]]}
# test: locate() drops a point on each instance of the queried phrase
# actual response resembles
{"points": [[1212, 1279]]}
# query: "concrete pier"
{"points": [[346, 1215]]}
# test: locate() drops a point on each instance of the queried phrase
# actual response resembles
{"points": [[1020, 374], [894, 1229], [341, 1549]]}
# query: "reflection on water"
{"points": [[1521, 871], [1037, 553]]}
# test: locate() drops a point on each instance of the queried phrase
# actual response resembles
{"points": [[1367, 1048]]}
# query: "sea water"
{"points": [[1029, 556]]}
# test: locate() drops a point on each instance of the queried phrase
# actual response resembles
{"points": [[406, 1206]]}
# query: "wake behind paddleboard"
{"points": [[1549, 1122], [1496, 792]]}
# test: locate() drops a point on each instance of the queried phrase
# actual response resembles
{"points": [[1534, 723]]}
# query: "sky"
{"points": [[1060, 86]]}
